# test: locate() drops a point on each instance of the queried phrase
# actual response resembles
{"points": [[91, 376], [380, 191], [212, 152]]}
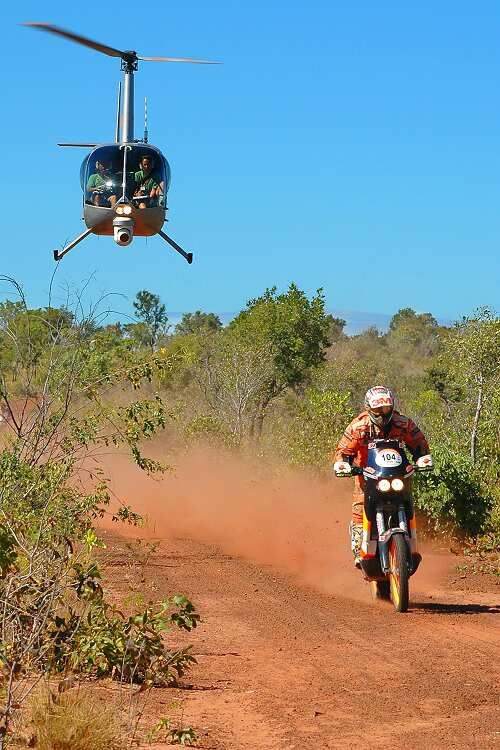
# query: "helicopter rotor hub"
{"points": [[129, 61]]}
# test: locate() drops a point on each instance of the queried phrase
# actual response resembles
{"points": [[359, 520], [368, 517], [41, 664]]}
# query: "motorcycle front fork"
{"points": [[383, 544]]}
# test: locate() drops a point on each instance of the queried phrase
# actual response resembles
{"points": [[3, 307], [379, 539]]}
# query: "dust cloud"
{"points": [[292, 520]]}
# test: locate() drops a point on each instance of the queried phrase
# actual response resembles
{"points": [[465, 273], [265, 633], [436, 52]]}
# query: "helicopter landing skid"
{"points": [[176, 247], [58, 254]]}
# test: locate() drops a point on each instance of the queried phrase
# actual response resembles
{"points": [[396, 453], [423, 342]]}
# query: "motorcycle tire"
{"points": [[381, 590], [399, 559]]}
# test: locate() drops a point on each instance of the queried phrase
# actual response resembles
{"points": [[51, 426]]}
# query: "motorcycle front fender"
{"points": [[385, 537]]}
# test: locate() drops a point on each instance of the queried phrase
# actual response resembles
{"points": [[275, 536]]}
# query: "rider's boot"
{"points": [[356, 531]]}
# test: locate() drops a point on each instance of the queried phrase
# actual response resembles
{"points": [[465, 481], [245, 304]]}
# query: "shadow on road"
{"points": [[457, 609]]}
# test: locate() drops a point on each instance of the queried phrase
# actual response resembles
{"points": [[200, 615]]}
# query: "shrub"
{"points": [[106, 643], [317, 424], [451, 494]]}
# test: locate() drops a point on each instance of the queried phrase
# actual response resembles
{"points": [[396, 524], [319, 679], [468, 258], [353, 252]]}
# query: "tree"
{"points": [[54, 617], [474, 353], [234, 376], [27, 335], [293, 332], [198, 322], [318, 420], [443, 381], [335, 329], [152, 313], [415, 331]]}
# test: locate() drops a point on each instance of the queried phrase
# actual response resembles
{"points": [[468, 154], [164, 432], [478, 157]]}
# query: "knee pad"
{"points": [[356, 532]]}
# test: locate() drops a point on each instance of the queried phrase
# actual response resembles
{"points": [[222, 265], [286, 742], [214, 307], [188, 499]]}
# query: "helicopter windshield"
{"points": [[137, 173]]}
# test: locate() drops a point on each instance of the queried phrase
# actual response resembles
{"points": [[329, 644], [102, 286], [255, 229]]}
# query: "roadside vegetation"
{"points": [[56, 625], [281, 381]]}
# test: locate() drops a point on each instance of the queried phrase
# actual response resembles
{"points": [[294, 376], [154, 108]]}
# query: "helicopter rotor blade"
{"points": [[128, 56], [179, 59], [77, 38]]}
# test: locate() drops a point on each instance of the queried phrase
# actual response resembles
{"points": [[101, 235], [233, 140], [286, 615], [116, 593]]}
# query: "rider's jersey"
{"points": [[354, 442]]}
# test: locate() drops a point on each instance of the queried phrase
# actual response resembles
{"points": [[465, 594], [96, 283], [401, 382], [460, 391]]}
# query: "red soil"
{"points": [[292, 651]]}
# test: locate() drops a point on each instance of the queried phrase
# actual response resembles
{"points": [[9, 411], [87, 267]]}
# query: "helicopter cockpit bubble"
{"points": [[137, 173]]}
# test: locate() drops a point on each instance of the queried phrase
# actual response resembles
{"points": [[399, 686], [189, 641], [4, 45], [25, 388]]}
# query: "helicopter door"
{"points": [[151, 177], [100, 177]]}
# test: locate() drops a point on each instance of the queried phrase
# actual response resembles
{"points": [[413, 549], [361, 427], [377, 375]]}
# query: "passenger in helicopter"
{"points": [[148, 186], [100, 186]]}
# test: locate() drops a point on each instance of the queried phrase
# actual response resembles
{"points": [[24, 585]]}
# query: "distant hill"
{"points": [[356, 320]]}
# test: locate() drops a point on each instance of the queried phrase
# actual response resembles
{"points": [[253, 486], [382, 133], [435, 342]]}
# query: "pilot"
{"points": [[100, 186], [148, 186]]}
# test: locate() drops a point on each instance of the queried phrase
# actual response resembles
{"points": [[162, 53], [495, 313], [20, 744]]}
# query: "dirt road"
{"points": [[292, 653]]}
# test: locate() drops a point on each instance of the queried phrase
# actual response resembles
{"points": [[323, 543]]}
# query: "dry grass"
{"points": [[74, 720]]}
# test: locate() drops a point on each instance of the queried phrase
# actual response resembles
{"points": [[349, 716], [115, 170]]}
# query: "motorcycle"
{"points": [[389, 555]]}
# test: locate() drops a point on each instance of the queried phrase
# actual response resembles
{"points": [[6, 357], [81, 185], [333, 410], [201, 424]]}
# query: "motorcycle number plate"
{"points": [[388, 457]]}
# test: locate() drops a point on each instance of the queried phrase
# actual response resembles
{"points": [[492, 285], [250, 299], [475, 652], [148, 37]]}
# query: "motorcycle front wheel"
{"points": [[399, 560]]}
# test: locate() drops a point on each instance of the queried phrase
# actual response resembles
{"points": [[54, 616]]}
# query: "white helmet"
{"points": [[379, 403]]}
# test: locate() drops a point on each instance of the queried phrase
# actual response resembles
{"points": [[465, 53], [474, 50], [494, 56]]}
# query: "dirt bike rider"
{"points": [[379, 420]]}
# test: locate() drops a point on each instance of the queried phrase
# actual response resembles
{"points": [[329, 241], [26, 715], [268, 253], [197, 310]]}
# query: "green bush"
{"points": [[451, 494], [106, 643], [318, 421]]}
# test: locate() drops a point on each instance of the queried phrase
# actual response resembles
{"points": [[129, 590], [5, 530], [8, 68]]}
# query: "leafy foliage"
{"points": [[451, 494], [152, 315], [268, 348], [108, 644], [198, 323], [57, 419], [319, 420], [176, 735]]}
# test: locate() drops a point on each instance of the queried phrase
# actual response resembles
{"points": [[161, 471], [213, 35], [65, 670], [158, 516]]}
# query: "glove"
{"points": [[425, 462], [341, 468]]}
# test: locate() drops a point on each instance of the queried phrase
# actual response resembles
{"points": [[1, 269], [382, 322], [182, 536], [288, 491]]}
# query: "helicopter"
{"points": [[124, 183]]}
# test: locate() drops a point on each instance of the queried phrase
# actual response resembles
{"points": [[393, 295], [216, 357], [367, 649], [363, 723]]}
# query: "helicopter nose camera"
{"points": [[123, 236], [123, 230]]}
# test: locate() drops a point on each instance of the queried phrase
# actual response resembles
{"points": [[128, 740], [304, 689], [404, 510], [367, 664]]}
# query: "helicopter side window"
{"points": [[101, 182], [165, 181], [149, 182], [101, 190]]}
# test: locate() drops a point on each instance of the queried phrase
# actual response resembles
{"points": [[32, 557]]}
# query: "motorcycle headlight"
{"points": [[397, 484], [384, 485]]}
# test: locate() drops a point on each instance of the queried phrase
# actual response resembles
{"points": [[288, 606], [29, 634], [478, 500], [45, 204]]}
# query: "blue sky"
{"points": [[350, 146]]}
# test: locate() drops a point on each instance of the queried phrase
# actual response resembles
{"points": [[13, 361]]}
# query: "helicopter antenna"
{"points": [[145, 119], [118, 112]]}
